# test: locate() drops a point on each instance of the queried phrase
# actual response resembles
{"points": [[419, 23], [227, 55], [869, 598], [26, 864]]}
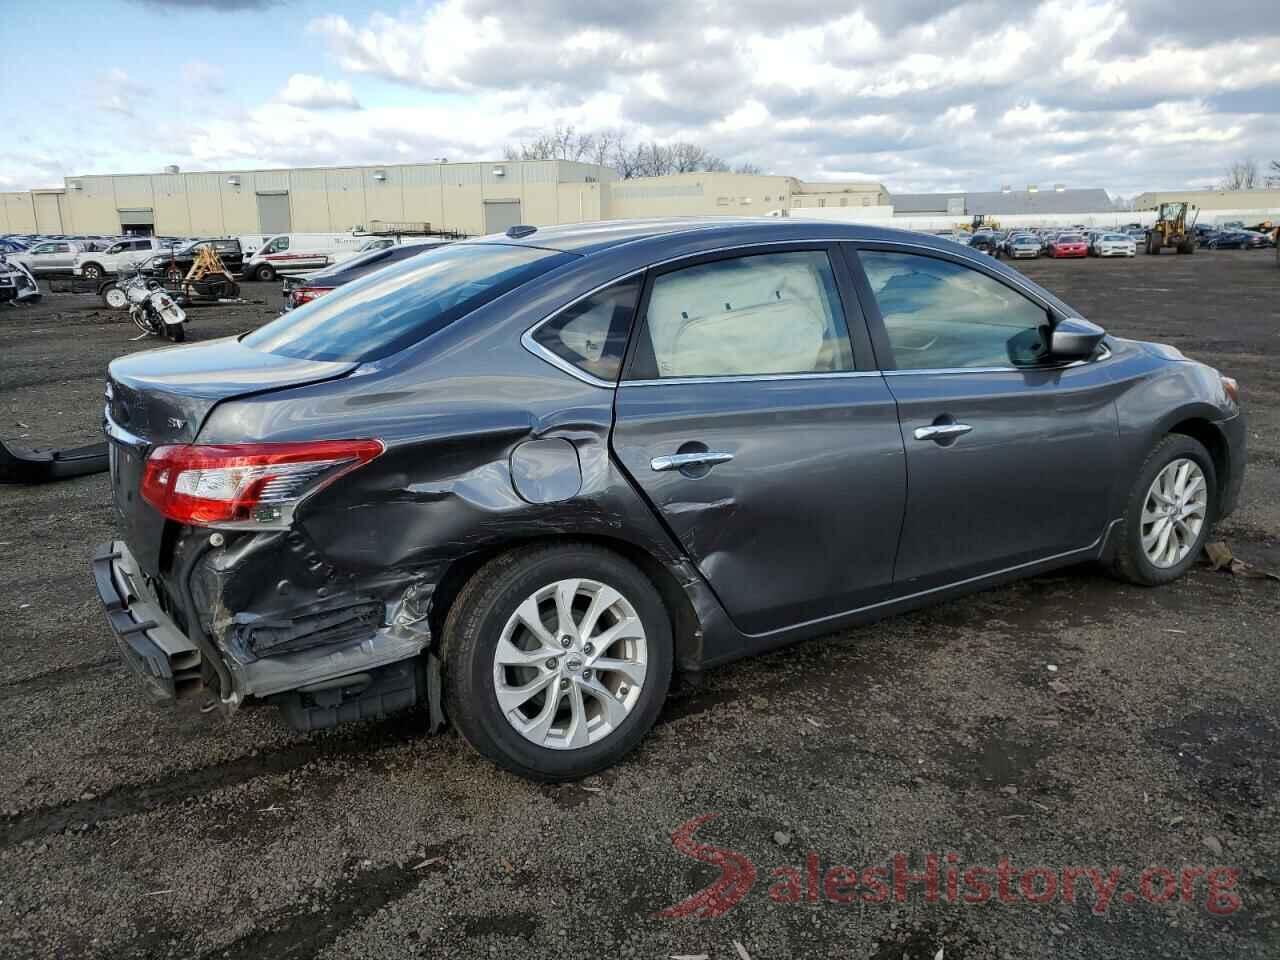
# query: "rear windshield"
{"points": [[388, 310]]}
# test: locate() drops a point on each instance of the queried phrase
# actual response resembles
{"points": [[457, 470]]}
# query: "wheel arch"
{"points": [[1210, 435], [686, 626]]}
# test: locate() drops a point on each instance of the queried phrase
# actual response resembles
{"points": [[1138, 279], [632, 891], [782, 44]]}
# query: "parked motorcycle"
{"points": [[150, 306]]}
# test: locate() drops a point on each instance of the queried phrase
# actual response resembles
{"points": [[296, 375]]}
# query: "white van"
{"points": [[298, 252]]}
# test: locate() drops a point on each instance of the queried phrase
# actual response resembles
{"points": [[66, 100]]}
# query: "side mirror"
{"points": [[1074, 339]]}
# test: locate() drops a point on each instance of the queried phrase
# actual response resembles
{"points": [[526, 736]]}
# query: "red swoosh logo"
{"points": [[737, 874]]}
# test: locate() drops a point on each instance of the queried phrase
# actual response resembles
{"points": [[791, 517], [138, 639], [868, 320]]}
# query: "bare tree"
{"points": [[1273, 176], [1241, 175], [559, 143], [748, 167], [613, 148]]}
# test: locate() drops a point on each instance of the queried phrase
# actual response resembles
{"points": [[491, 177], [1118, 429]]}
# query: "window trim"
{"points": [[871, 308]]}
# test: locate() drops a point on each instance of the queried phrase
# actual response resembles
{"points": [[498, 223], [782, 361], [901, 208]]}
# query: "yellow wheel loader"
{"points": [[1174, 227]]}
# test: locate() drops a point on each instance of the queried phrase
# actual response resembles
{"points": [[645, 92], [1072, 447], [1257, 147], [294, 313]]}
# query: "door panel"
{"points": [[1031, 479], [803, 522], [1009, 459], [756, 364]]}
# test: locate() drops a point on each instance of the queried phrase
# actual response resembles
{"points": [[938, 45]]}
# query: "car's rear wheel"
{"points": [[91, 271], [1168, 514], [265, 272], [556, 660]]}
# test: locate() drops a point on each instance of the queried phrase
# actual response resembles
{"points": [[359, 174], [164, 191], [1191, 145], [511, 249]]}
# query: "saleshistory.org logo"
{"points": [[942, 877]]}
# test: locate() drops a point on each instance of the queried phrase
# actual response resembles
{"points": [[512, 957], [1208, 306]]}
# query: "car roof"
{"points": [[590, 238]]}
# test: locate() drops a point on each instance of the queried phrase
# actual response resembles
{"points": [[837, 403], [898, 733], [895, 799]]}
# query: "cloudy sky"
{"points": [[919, 94]]}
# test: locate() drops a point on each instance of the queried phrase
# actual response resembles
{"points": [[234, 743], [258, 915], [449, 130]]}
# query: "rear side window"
{"points": [[390, 309], [592, 333], [773, 313]]}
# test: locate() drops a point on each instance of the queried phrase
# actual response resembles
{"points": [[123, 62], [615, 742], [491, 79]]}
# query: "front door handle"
{"points": [[942, 431], [679, 461]]}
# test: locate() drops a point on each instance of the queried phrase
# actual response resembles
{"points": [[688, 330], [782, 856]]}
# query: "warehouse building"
{"points": [[479, 198], [1257, 200], [1005, 202], [469, 198]]}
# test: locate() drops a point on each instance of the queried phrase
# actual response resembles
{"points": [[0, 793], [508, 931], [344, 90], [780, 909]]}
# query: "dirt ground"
{"points": [[1066, 721]]}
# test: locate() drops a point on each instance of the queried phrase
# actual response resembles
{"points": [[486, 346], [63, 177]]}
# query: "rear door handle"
{"points": [[941, 431], [678, 461]]}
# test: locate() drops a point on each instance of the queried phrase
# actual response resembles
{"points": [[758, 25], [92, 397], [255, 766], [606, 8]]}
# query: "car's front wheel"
{"points": [[557, 660], [1169, 512]]}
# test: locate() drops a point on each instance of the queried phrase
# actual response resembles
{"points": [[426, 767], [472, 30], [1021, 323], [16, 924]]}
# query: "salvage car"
{"points": [[1024, 247], [1113, 245], [525, 478], [17, 283], [304, 289], [1069, 245], [49, 256]]}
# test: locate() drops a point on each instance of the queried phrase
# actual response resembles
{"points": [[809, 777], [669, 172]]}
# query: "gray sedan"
{"points": [[523, 479]]}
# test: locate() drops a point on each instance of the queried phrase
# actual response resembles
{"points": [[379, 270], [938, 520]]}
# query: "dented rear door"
{"points": [[786, 485]]}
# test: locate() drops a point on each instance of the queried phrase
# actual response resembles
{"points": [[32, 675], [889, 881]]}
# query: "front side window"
{"points": [[390, 309], [774, 313], [114, 248], [278, 244], [942, 315], [592, 333], [45, 248]]}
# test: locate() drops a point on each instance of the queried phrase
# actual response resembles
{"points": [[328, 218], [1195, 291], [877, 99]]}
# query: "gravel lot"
{"points": [[1063, 721]]}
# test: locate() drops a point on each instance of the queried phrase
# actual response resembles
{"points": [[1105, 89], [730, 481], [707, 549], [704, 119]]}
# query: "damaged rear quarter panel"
{"points": [[453, 412]]}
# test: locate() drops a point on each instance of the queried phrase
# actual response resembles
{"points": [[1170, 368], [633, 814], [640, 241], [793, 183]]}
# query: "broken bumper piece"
{"points": [[150, 643], [370, 675], [34, 465]]}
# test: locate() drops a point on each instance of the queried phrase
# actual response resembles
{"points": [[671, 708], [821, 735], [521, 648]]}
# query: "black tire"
{"points": [[470, 637], [177, 332], [1129, 561], [264, 272], [106, 295], [91, 271]]}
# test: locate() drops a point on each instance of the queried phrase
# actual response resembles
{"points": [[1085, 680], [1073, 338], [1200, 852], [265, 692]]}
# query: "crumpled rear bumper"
{"points": [[361, 677], [150, 643]]}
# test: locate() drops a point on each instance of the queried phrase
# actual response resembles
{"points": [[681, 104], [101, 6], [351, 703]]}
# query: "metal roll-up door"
{"points": [[500, 214], [273, 213]]}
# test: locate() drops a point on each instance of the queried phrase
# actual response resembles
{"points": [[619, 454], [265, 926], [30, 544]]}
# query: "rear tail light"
{"points": [[250, 485], [303, 295]]}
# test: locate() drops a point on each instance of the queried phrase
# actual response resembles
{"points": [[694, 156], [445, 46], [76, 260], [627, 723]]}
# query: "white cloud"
{"points": [[1125, 94], [317, 93]]}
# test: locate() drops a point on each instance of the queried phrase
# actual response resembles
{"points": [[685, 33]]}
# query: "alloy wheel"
{"points": [[570, 664], [1174, 512]]}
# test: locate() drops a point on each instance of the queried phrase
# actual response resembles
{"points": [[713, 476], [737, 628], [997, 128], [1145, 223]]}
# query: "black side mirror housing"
{"points": [[1074, 338]]}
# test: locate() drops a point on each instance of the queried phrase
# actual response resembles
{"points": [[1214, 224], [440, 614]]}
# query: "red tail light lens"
{"points": [[303, 295], [250, 485]]}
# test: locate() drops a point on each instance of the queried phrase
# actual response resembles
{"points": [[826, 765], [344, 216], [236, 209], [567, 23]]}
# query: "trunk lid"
{"points": [[163, 396]]}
